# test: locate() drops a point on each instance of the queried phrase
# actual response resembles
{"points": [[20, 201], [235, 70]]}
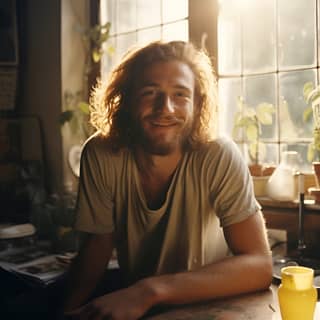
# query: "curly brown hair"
{"points": [[111, 102]]}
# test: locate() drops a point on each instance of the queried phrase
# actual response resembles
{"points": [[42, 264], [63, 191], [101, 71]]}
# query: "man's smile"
{"points": [[165, 122]]}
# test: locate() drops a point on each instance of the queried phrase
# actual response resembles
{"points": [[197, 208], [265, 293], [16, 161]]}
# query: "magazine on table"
{"points": [[35, 264]]}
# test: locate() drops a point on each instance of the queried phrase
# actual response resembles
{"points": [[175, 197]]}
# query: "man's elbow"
{"points": [[265, 271]]}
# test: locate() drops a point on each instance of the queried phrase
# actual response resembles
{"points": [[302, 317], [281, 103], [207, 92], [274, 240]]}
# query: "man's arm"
{"points": [[87, 269], [250, 269]]}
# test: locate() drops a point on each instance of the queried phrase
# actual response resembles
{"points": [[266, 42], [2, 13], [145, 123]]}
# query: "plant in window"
{"points": [[311, 95], [76, 114], [250, 121], [76, 106]]}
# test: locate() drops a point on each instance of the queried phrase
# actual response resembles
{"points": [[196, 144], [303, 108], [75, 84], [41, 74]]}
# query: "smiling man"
{"points": [[176, 204]]}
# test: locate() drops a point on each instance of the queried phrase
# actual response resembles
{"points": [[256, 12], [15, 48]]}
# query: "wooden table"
{"points": [[256, 306]]}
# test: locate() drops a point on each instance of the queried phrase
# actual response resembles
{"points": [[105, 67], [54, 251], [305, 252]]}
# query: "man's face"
{"points": [[164, 107]]}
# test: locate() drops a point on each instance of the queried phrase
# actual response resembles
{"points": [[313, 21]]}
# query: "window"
{"points": [[264, 50], [267, 50], [140, 21]]}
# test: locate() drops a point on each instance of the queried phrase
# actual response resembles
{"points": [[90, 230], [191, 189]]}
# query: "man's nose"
{"points": [[165, 103]]}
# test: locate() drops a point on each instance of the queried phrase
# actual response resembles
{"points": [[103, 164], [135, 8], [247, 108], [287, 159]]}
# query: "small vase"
{"points": [[281, 185], [297, 294]]}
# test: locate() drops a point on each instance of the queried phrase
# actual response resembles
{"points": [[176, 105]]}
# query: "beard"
{"points": [[157, 145]]}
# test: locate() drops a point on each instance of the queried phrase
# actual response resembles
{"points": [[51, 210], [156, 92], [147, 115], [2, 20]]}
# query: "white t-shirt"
{"points": [[211, 188]]}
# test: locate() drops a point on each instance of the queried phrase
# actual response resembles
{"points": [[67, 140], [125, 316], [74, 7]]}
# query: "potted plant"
{"points": [[311, 95], [249, 120]]}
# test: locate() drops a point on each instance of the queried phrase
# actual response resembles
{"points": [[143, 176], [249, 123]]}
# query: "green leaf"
{"points": [[307, 88], [104, 37], [313, 96], [106, 26], [257, 151], [244, 122], [252, 132], [311, 151], [96, 55], [316, 99], [264, 113], [307, 114], [84, 107], [111, 50]]}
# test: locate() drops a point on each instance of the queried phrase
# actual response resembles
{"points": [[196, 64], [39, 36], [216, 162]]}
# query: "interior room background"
{"points": [[263, 51]]}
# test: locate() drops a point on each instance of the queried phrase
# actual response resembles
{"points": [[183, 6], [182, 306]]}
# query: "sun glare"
{"points": [[241, 5]]}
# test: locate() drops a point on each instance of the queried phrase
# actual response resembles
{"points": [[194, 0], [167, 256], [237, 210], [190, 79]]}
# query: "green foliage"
{"points": [[76, 108], [311, 96], [76, 114], [95, 38], [249, 121]]}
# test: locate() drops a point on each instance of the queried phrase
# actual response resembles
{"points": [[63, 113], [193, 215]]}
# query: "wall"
{"points": [[51, 61], [39, 87], [74, 15]]}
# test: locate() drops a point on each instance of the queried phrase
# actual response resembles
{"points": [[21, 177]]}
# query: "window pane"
{"points": [[176, 31], [174, 10], [270, 154], [147, 35], [302, 150], [107, 60], [108, 13], [148, 13], [126, 15], [229, 41], [297, 33], [229, 91], [291, 111], [123, 44], [261, 89], [259, 37]]}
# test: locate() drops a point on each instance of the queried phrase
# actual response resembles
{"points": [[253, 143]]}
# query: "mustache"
{"points": [[164, 118]]}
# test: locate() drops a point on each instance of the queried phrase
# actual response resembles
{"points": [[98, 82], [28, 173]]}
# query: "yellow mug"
{"points": [[297, 294]]}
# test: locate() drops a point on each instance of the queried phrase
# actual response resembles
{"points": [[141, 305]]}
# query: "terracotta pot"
{"points": [[316, 169], [255, 170]]}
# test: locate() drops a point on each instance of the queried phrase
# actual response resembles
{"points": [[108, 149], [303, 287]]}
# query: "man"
{"points": [[156, 186]]}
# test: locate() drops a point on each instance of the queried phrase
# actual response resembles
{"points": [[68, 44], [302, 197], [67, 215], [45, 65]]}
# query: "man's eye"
{"points": [[148, 93], [181, 94]]}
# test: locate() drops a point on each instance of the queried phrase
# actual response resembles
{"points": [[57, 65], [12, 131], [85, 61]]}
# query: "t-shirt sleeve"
{"points": [[94, 209], [232, 192]]}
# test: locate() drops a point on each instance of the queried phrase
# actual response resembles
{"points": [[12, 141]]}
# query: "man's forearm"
{"points": [[87, 269], [232, 276]]}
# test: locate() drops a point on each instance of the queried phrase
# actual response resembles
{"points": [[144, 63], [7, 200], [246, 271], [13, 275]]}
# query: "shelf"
{"points": [[270, 203]]}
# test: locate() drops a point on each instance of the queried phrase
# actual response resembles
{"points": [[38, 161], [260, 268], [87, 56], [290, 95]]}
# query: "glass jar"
{"points": [[297, 294], [281, 184]]}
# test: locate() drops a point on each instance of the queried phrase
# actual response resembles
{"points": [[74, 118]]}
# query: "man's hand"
{"points": [[129, 304], [87, 269]]}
